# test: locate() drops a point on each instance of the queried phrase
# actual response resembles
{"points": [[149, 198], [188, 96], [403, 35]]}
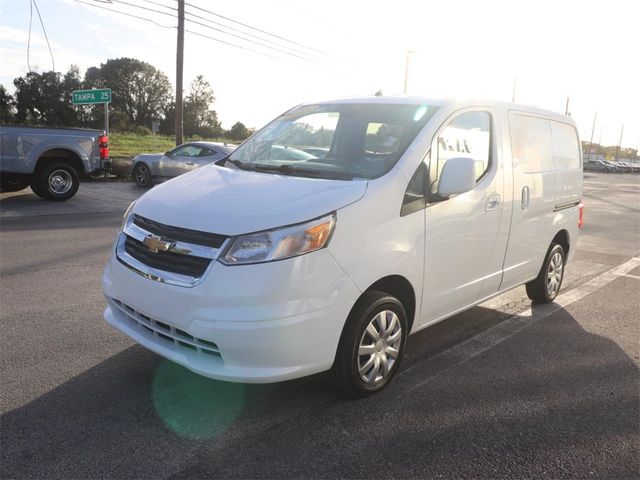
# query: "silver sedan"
{"points": [[150, 168]]}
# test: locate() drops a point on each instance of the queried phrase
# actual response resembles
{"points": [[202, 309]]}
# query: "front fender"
{"points": [[151, 161]]}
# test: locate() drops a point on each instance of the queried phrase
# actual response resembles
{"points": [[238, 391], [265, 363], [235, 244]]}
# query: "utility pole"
{"points": [[406, 69], [179, 69], [600, 137], [513, 90], [592, 130], [619, 143], [566, 107]]}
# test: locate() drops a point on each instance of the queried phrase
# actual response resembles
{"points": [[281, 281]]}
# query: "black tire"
{"points": [[347, 361], [142, 175], [56, 181], [539, 290], [12, 184]]}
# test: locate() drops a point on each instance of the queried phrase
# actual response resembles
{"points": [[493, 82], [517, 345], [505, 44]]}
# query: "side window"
{"points": [[467, 135], [206, 152], [187, 151], [564, 146], [530, 143]]}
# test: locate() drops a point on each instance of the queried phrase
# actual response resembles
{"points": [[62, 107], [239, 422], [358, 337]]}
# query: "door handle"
{"points": [[525, 198], [492, 203]]}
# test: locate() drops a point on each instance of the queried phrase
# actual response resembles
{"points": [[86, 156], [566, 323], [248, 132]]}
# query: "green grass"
{"points": [[128, 145]]}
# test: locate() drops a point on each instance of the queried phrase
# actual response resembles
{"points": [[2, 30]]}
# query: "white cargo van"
{"points": [[340, 228]]}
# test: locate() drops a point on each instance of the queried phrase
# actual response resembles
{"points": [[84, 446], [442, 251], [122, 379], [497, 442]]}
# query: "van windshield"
{"points": [[338, 141]]}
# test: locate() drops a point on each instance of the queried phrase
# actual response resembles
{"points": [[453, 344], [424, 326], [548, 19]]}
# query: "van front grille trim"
{"points": [[182, 264], [165, 332]]}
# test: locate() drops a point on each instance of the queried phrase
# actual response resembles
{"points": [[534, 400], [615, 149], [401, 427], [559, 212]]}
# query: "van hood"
{"points": [[232, 202]]}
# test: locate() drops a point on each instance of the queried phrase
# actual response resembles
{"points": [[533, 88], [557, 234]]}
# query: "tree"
{"points": [[199, 118], [45, 98], [140, 92], [238, 132], [7, 106]]}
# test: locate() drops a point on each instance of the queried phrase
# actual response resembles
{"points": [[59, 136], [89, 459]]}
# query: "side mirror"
{"points": [[168, 153], [458, 176]]}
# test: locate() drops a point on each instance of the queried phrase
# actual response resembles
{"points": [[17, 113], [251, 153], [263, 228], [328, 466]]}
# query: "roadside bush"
{"points": [[139, 130]]}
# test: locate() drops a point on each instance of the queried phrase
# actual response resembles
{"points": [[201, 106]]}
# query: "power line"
{"points": [[53, 64], [243, 48], [124, 13], [161, 5], [276, 44], [243, 38], [145, 8], [189, 31], [29, 39], [252, 41], [264, 31]]}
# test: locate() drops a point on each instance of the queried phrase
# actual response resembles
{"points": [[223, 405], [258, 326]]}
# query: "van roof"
{"points": [[449, 102]]}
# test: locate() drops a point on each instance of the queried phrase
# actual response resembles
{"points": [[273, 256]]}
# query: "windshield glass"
{"points": [[343, 141]]}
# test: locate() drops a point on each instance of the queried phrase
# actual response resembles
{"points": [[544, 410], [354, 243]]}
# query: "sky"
{"points": [[586, 50]]}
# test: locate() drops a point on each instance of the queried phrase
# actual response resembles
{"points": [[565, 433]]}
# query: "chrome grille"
{"points": [[184, 260], [167, 261], [179, 234], [165, 332]]}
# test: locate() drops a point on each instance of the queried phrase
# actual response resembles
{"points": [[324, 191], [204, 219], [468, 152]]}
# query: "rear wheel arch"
{"points": [[60, 155]]}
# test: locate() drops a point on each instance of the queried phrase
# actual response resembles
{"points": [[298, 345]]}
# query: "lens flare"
{"points": [[193, 406]]}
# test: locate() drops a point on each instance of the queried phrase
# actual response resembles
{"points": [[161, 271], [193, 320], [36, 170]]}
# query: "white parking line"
{"points": [[482, 342], [629, 275]]}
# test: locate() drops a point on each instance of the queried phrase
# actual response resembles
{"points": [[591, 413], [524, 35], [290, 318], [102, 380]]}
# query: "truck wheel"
{"points": [[545, 287], [371, 346], [57, 181], [12, 184], [142, 175]]}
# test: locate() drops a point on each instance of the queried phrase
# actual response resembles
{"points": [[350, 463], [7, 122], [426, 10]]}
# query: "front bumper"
{"points": [[255, 323]]}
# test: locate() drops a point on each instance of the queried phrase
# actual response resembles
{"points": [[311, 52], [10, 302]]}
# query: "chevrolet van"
{"points": [[272, 264]]}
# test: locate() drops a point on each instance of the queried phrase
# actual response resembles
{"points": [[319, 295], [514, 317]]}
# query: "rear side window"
{"points": [[530, 143], [565, 146]]}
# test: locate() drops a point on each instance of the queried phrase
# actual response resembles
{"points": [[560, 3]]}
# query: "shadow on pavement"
{"points": [[546, 402]]}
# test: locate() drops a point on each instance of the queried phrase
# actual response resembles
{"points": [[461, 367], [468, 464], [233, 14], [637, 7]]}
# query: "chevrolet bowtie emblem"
{"points": [[157, 244]]}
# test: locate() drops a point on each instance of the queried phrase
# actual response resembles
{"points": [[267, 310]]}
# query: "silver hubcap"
{"points": [[554, 275], [142, 174], [60, 181], [379, 347]]}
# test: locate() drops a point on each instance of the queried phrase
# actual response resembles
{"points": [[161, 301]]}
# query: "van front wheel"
{"points": [[371, 345], [545, 287]]}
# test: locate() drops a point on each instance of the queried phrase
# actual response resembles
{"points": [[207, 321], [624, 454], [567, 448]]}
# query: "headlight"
{"points": [[126, 215], [280, 243]]}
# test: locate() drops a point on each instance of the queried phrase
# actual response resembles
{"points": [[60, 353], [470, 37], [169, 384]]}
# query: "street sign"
{"points": [[84, 97]]}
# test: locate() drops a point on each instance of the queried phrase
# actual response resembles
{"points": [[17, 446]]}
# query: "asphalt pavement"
{"points": [[504, 390]]}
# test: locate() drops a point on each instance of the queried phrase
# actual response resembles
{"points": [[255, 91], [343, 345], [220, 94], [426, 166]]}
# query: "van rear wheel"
{"points": [[545, 287], [372, 345]]}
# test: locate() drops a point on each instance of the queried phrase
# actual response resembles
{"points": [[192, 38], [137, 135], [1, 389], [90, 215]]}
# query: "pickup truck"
{"points": [[50, 160]]}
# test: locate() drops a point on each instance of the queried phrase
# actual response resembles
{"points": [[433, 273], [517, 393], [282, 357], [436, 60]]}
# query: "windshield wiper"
{"points": [[305, 172], [236, 163]]}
